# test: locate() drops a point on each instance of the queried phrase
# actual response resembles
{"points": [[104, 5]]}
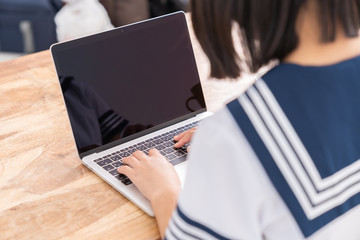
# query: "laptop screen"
{"points": [[127, 80]]}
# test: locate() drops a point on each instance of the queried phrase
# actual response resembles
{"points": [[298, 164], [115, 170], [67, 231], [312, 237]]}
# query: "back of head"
{"points": [[268, 29]]}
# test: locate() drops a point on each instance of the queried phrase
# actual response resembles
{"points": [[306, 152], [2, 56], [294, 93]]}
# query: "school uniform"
{"points": [[280, 162]]}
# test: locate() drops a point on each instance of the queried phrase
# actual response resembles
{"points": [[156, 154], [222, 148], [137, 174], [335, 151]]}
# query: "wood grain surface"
{"points": [[45, 191]]}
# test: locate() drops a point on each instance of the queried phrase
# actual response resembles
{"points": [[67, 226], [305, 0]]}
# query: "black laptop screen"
{"points": [[129, 79]]}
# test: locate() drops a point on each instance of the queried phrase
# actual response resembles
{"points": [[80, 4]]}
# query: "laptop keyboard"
{"points": [[164, 143]]}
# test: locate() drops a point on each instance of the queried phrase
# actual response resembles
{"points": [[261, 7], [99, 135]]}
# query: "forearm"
{"points": [[157, 180], [163, 206]]}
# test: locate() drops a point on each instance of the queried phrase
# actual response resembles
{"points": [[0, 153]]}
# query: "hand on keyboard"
{"points": [[183, 139], [152, 174]]}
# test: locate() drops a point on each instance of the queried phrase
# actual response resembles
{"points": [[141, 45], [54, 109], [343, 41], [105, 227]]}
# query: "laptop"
{"points": [[131, 88]]}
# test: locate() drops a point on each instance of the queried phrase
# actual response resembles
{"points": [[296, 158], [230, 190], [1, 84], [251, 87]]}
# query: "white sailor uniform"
{"points": [[280, 162]]}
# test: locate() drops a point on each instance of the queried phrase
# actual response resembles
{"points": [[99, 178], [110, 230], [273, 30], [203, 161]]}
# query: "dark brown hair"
{"points": [[267, 29]]}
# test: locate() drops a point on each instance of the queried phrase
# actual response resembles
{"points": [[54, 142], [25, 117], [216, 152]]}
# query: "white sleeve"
{"points": [[227, 194]]}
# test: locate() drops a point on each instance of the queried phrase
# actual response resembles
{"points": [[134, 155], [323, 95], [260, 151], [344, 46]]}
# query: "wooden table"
{"points": [[45, 191]]}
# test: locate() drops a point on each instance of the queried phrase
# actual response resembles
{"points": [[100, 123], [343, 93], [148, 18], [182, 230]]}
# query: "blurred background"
{"points": [[29, 26]]}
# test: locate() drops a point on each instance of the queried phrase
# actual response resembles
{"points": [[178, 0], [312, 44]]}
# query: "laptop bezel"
{"points": [[115, 143]]}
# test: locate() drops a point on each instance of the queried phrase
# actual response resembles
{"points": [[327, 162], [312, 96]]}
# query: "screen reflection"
{"points": [[123, 81]]}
